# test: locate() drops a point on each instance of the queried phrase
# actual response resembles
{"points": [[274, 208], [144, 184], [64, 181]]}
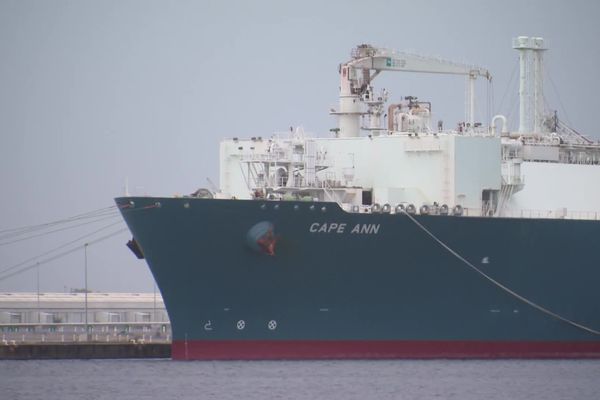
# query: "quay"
{"points": [[83, 351], [69, 326]]}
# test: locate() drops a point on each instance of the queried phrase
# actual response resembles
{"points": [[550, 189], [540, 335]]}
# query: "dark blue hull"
{"points": [[339, 281]]}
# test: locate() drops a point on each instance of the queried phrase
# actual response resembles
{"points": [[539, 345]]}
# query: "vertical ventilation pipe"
{"points": [[531, 95], [538, 83]]}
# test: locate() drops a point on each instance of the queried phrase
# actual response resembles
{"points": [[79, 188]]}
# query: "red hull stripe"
{"points": [[385, 349]]}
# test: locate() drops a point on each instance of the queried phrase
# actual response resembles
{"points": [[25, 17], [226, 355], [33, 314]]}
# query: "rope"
{"points": [[89, 214], [98, 219], [32, 229], [498, 284], [129, 208], [5, 270], [64, 253]]}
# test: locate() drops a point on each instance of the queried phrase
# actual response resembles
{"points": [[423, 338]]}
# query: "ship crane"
{"points": [[367, 62]]}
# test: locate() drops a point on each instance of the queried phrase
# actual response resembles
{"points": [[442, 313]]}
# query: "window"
{"points": [[367, 197], [114, 317], [15, 318]]}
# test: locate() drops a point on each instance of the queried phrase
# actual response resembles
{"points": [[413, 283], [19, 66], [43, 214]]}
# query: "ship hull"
{"points": [[341, 285], [379, 350]]}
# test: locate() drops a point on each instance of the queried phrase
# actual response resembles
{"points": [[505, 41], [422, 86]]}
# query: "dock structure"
{"points": [[46, 351], [54, 325]]}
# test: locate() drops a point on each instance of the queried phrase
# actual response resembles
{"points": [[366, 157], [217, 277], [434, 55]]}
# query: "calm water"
{"points": [[163, 379]]}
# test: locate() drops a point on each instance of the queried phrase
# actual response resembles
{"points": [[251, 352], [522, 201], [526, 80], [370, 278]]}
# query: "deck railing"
{"points": [[477, 212]]}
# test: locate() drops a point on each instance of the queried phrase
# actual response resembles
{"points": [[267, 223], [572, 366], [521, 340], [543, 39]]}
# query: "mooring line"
{"points": [[498, 284]]}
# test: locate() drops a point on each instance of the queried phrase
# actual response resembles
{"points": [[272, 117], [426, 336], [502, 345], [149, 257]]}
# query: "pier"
{"points": [[57, 326], [84, 350]]}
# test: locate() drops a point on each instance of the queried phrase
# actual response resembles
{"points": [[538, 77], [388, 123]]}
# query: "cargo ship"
{"points": [[388, 237]]}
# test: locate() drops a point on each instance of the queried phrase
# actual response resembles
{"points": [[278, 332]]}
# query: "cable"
{"points": [[513, 107], [59, 221], [11, 232], [499, 285], [57, 256], [27, 230], [559, 99], [508, 85], [59, 247], [59, 230]]}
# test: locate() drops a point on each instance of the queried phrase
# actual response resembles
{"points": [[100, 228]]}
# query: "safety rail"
{"points": [[552, 214], [108, 332], [477, 212]]}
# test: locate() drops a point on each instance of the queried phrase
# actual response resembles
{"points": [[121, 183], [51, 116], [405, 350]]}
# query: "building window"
{"points": [[15, 318], [143, 317], [114, 317]]}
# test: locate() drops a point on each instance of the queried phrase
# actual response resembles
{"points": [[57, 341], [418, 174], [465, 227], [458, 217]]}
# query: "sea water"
{"points": [[178, 380]]}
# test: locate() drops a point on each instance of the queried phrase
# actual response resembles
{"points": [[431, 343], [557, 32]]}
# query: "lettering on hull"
{"points": [[343, 228]]}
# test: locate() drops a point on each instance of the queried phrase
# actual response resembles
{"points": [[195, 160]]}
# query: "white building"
{"points": [[69, 308]]}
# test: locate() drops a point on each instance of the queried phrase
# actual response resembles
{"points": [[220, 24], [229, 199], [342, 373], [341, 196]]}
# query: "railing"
{"points": [[539, 214], [264, 157], [478, 212], [325, 184], [552, 214], [108, 332]]}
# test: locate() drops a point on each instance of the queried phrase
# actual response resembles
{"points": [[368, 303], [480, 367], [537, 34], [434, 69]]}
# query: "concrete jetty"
{"points": [[46, 351]]}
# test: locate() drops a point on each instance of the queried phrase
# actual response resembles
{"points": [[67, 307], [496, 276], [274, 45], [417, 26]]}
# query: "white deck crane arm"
{"points": [[385, 60], [356, 77]]}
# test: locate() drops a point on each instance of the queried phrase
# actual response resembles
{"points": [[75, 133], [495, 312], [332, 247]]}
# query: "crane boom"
{"points": [[356, 78], [367, 57]]}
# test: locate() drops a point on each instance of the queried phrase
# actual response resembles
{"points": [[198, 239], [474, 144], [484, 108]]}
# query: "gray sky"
{"points": [[96, 92]]}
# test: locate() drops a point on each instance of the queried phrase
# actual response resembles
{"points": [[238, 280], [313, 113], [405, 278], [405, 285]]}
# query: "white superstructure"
{"points": [[401, 160]]}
